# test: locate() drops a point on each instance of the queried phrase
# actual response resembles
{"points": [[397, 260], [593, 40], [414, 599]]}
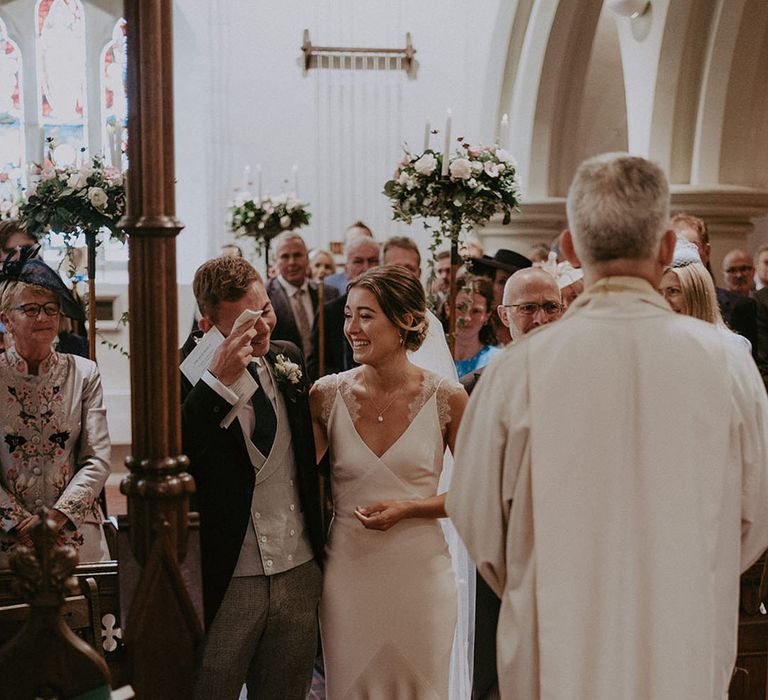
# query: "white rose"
{"points": [[86, 171], [461, 169], [113, 177], [506, 157], [47, 173], [407, 181], [477, 166], [97, 197], [426, 164], [491, 169], [77, 181], [472, 182], [285, 221]]}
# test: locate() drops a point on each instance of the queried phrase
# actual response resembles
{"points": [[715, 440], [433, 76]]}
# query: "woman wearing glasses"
{"points": [[476, 340], [54, 447]]}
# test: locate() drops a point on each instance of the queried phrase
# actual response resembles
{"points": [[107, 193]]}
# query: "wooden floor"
{"points": [[116, 503]]}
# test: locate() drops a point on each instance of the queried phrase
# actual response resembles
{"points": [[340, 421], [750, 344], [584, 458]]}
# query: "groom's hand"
{"points": [[233, 355]]}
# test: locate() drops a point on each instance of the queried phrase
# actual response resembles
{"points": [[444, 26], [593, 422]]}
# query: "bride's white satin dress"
{"points": [[388, 609]]}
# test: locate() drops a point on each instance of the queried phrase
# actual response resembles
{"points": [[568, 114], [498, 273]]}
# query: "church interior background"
{"points": [[681, 81]]}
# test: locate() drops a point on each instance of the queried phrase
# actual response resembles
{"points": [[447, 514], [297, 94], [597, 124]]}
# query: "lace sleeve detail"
{"points": [[327, 388], [348, 396], [445, 390]]}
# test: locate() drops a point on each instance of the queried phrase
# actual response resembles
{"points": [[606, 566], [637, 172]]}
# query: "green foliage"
{"points": [[74, 200], [266, 218]]}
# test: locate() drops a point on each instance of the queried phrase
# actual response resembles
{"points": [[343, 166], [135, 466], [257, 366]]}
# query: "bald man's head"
{"points": [[531, 299]]}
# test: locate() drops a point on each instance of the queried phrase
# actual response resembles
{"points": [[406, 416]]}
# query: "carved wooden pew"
{"points": [[45, 658], [92, 612], [750, 680]]}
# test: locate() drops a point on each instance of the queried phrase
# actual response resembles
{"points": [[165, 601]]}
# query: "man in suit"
{"points": [[293, 294], [261, 533], [362, 254]]}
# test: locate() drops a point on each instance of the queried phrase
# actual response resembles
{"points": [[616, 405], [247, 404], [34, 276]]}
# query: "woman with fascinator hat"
{"points": [[55, 449]]}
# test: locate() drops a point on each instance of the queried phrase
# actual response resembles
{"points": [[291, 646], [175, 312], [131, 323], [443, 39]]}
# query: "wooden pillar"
{"points": [[163, 627]]}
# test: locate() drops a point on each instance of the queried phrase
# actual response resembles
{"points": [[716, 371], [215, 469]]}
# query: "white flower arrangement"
{"points": [[286, 372], [481, 182], [265, 218], [75, 199]]}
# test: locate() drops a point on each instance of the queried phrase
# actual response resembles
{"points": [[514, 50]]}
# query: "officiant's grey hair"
{"points": [[618, 208]]}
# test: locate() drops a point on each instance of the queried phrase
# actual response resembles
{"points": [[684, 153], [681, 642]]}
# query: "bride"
{"points": [[388, 609]]}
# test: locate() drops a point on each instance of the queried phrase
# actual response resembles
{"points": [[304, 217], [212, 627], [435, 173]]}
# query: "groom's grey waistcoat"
{"points": [[276, 539]]}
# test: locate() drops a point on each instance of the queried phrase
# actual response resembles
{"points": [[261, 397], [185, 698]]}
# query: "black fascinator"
{"points": [[28, 268]]}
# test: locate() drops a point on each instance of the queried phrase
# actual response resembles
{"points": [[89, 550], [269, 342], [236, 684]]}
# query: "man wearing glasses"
{"points": [[531, 299]]}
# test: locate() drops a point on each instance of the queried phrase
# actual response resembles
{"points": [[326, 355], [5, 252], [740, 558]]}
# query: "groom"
{"points": [[261, 534]]}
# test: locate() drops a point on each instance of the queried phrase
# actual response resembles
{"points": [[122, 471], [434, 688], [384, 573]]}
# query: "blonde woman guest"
{"points": [[689, 290], [55, 448]]}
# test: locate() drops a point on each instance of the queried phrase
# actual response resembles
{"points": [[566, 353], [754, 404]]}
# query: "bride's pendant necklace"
{"points": [[379, 413]]}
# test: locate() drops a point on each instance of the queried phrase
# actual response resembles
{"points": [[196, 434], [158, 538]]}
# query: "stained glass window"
{"points": [[114, 96], [60, 40], [11, 120]]}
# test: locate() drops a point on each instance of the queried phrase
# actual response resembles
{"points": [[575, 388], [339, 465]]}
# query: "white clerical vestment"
{"points": [[611, 484]]}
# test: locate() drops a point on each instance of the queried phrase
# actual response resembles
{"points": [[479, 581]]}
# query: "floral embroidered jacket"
{"points": [[55, 449]]}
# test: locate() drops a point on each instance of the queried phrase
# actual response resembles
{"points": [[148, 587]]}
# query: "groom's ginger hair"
{"points": [[226, 278]]}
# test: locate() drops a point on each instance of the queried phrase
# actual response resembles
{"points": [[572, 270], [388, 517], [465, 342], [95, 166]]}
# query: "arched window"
{"points": [[11, 118], [114, 96], [60, 41]]}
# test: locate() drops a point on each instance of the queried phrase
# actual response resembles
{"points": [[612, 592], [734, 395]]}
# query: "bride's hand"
{"points": [[382, 516]]}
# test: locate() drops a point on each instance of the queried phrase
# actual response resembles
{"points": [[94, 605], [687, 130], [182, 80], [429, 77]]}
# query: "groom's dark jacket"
{"points": [[225, 477]]}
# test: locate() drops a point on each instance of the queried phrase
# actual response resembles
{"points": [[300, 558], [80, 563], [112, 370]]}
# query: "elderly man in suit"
{"points": [[261, 533], [293, 293]]}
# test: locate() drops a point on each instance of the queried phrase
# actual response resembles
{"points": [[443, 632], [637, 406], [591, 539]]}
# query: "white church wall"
{"points": [[243, 98]]}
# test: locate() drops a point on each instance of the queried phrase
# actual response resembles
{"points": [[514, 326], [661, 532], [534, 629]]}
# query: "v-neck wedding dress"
{"points": [[388, 609]]}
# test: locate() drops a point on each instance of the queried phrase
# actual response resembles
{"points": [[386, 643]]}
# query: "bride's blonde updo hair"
{"points": [[401, 298]]}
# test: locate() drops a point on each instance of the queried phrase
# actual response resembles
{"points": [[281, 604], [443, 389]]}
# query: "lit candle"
{"points": [[246, 177], [427, 130], [447, 148], [295, 180], [258, 179], [503, 131], [118, 159]]}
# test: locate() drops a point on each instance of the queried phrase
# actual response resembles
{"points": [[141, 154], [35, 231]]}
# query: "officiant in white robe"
{"points": [[610, 477]]}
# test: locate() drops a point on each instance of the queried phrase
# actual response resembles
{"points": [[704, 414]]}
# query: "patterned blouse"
{"points": [[55, 448]]}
